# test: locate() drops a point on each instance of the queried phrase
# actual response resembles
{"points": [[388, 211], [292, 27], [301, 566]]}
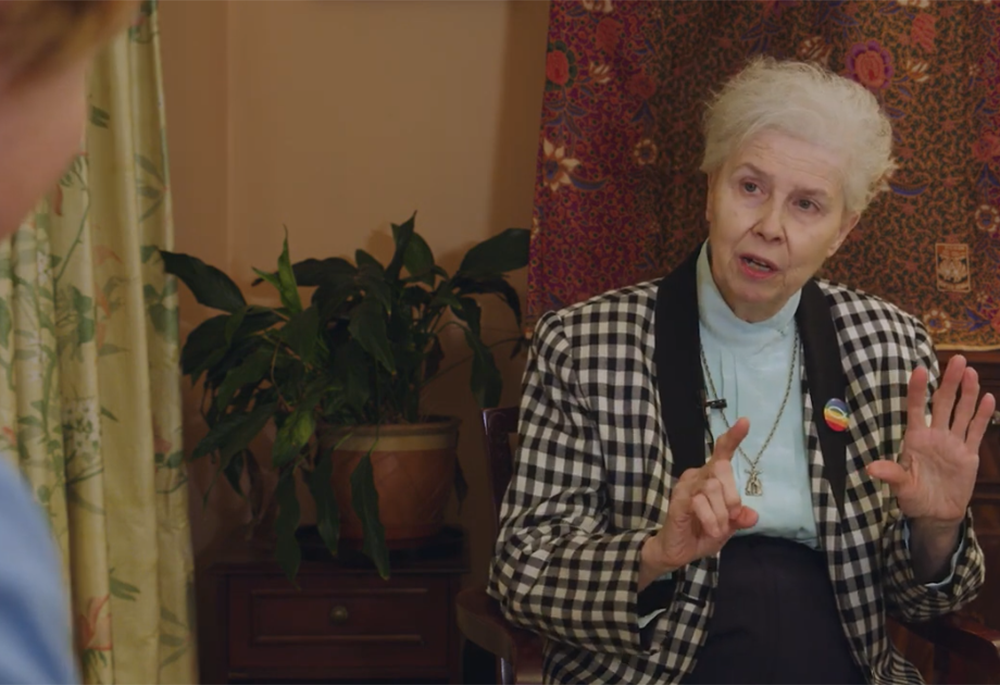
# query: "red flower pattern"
{"points": [[557, 67]]}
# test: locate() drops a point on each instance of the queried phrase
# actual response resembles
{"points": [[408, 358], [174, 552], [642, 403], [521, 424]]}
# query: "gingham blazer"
{"points": [[613, 413]]}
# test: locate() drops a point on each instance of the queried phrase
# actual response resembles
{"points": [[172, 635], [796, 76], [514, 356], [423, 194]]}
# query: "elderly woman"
{"points": [[45, 51], [734, 475]]}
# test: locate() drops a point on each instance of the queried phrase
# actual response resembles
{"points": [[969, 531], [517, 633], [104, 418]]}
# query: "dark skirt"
{"points": [[775, 619]]}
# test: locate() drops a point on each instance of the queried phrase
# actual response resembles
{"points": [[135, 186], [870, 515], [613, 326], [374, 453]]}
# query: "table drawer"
{"points": [[343, 621]]}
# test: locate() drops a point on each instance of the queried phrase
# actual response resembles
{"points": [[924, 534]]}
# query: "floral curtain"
{"points": [[619, 198], [90, 402]]}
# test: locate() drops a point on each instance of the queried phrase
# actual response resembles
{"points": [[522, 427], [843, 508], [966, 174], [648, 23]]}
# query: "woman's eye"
{"points": [[749, 187], [806, 205]]}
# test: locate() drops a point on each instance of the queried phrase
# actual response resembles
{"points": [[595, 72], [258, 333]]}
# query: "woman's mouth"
{"points": [[757, 267]]}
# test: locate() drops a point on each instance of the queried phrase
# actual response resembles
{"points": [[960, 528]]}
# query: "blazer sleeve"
{"points": [[907, 598], [559, 568]]}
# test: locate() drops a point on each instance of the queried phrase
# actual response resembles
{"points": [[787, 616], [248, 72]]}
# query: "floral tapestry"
{"points": [[619, 198]]}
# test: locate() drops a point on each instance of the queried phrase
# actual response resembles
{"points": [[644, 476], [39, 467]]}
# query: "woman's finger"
{"points": [[706, 515], [916, 399], [723, 472], [725, 446], [889, 471], [713, 491], [980, 422], [966, 406], [944, 398]]}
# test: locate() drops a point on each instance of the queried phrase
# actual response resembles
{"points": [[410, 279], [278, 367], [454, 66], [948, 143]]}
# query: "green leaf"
{"points": [[233, 324], [253, 370], [233, 471], [147, 251], [311, 272], [469, 312], [206, 341], [444, 296], [122, 590], [294, 434], [419, 260], [108, 348], [495, 285], [170, 617], [363, 259], [286, 278], [486, 381], [105, 412], [364, 500], [401, 236], [148, 192], [233, 432], [209, 286], [368, 328], [329, 298], [98, 117], [372, 281], [327, 514], [147, 165], [164, 320], [287, 551], [314, 272], [301, 333], [150, 294], [86, 329], [501, 253], [355, 365], [6, 323]]}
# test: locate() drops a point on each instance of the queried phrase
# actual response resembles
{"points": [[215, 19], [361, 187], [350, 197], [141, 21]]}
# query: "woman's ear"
{"points": [[846, 226]]}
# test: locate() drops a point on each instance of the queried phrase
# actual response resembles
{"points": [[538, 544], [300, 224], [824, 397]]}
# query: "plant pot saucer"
{"points": [[448, 542]]}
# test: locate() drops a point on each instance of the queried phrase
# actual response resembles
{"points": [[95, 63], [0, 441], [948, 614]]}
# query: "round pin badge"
{"points": [[836, 415]]}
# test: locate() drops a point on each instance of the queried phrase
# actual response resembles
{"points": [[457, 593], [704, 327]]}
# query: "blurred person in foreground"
{"points": [[45, 50]]}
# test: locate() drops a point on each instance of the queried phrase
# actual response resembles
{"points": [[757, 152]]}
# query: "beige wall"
{"points": [[335, 119]]}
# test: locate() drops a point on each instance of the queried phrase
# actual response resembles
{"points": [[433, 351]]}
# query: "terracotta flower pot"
{"points": [[414, 470]]}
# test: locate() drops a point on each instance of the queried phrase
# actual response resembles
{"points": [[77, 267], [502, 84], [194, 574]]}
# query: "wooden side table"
{"points": [[343, 622]]}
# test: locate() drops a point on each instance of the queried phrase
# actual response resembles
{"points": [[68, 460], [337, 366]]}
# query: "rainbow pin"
{"points": [[836, 415]]}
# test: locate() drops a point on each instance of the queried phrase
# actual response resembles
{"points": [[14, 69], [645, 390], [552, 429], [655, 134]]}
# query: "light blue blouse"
{"points": [[750, 364]]}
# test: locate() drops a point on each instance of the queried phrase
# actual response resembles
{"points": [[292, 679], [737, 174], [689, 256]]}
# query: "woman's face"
{"points": [[776, 211], [41, 124]]}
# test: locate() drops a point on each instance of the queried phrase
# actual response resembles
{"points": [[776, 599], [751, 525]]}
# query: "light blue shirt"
{"points": [[749, 364], [34, 608]]}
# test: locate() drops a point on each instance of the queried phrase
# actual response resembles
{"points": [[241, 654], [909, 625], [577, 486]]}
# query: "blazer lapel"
{"points": [[824, 376], [679, 382]]}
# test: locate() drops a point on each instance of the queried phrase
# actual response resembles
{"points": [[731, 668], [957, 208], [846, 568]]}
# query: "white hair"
{"points": [[810, 103]]}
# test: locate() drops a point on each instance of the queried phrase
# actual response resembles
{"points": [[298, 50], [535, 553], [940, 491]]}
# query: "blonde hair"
{"points": [[810, 103], [39, 36]]}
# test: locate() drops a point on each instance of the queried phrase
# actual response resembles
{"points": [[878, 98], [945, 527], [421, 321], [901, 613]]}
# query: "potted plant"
{"points": [[341, 378]]}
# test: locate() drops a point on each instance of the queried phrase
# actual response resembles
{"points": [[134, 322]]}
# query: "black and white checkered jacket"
{"points": [[612, 414]]}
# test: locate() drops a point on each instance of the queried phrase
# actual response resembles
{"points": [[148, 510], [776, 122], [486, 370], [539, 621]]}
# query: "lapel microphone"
{"points": [[716, 404]]}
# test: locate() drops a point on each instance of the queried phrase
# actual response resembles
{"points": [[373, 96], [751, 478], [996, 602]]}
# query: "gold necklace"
{"points": [[754, 487]]}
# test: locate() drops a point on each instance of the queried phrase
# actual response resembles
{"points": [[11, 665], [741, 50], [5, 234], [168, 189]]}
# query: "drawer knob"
{"points": [[339, 614]]}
